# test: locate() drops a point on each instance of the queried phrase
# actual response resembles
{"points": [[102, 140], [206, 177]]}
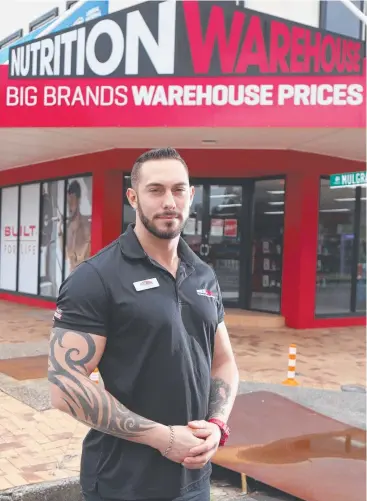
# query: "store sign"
{"points": [[348, 179], [144, 65]]}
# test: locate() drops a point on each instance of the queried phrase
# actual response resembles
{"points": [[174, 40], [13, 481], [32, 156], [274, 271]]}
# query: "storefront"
{"points": [[280, 237]]}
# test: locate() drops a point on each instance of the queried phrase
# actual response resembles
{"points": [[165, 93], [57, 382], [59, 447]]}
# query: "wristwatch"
{"points": [[224, 430]]}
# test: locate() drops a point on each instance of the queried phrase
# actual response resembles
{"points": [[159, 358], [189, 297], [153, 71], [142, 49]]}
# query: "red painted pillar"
{"points": [[300, 249], [107, 208]]}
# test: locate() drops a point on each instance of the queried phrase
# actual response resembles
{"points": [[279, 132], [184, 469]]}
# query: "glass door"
{"points": [[193, 232], [267, 245], [223, 238], [213, 231]]}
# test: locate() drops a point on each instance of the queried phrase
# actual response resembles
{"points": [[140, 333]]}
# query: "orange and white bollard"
{"points": [[95, 376], [291, 378]]}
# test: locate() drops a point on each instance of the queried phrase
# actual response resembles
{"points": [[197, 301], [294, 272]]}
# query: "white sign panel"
{"points": [[29, 238], [9, 235]]}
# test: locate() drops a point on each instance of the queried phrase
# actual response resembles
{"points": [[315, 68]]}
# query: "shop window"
{"points": [[45, 234], [44, 19], [77, 225], [267, 245], [11, 39], [70, 3], [28, 239], [52, 248], [361, 264], [336, 17], [340, 282], [9, 238]]}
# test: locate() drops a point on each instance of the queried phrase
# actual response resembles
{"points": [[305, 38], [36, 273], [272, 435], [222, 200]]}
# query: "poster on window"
{"points": [[52, 224], [77, 230], [9, 238], [216, 227], [230, 228], [29, 238]]}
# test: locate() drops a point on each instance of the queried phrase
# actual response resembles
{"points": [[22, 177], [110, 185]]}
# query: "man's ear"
{"points": [[132, 198], [192, 194]]}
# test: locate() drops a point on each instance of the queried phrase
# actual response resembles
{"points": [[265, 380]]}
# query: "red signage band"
{"points": [[185, 64]]}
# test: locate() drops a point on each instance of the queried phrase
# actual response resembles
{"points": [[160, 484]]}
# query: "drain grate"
{"points": [[355, 388]]}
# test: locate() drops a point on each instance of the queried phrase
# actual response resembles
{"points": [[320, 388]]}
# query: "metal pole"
{"points": [[350, 5]]}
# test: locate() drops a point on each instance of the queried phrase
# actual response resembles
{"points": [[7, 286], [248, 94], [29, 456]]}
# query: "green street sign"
{"points": [[348, 179]]}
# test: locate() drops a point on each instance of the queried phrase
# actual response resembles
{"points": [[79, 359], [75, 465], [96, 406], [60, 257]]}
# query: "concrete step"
{"points": [[242, 318]]}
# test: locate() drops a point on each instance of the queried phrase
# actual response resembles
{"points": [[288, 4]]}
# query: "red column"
{"points": [[107, 208], [300, 249]]}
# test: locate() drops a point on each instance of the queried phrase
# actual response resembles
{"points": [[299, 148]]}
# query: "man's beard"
{"points": [[167, 234]]}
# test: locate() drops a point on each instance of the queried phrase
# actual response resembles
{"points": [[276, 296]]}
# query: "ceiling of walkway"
{"points": [[19, 147]]}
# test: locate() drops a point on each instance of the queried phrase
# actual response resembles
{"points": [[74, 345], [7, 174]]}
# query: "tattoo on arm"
{"points": [[86, 401], [220, 393]]}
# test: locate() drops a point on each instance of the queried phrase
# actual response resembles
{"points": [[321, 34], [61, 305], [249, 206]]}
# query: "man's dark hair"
{"points": [[75, 189], [156, 154]]}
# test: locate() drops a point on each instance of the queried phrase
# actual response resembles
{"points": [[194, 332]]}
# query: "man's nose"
{"points": [[169, 201]]}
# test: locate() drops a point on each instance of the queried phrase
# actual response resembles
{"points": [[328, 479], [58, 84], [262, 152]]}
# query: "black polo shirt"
{"points": [[157, 359]]}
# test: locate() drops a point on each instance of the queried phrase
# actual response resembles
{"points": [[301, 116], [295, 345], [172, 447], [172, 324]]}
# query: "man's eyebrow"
{"points": [[150, 185]]}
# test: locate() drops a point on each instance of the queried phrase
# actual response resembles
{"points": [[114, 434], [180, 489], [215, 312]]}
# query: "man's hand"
{"points": [[185, 439], [202, 454]]}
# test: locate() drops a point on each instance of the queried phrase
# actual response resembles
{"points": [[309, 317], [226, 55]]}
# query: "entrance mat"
{"points": [[294, 449], [25, 367]]}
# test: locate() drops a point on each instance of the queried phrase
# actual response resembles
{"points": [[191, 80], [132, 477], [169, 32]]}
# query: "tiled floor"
{"points": [[38, 446]]}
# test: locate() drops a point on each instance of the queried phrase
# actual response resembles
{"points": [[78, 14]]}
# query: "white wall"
{"points": [[19, 13], [301, 11]]}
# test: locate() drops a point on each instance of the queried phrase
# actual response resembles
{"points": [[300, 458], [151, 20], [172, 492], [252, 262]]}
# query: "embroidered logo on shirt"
{"points": [[58, 314], [205, 292]]}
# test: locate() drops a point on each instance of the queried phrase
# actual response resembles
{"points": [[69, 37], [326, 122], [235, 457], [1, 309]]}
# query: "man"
{"points": [[148, 312], [78, 229]]}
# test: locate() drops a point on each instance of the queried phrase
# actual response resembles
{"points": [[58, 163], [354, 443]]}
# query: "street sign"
{"points": [[348, 179]]}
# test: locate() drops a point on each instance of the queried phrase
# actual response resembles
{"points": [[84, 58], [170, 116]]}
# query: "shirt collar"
{"points": [[132, 249]]}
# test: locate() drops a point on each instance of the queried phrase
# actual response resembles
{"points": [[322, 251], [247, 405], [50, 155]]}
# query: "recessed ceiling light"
{"points": [[334, 210], [209, 141], [346, 199], [276, 192], [274, 212], [276, 203]]}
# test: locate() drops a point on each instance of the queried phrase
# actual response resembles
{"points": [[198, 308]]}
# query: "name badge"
{"points": [[150, 283]]}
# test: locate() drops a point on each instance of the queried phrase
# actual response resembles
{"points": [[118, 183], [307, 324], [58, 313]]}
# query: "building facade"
{"points": [[279, 208]]}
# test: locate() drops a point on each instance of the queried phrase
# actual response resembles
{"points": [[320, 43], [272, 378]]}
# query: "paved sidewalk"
{"points": [[326, 358], [36, 446], [40, 444]]}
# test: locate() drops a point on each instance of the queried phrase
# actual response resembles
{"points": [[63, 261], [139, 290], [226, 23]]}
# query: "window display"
{"points": [[40, 249], [337, 270], [52, 221], [361, 265], [9, 238], [267, 245], [77, 227], [29, 238]]}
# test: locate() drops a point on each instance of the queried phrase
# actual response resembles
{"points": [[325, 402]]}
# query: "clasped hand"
{"points": [[195, 444]]}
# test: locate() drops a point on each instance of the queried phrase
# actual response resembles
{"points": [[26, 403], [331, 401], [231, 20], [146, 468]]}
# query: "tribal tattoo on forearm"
{"points": [[220, 393], [86, 401]]}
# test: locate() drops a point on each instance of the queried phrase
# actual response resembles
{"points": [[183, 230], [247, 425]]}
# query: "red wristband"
{"points": [[224, 430]]}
